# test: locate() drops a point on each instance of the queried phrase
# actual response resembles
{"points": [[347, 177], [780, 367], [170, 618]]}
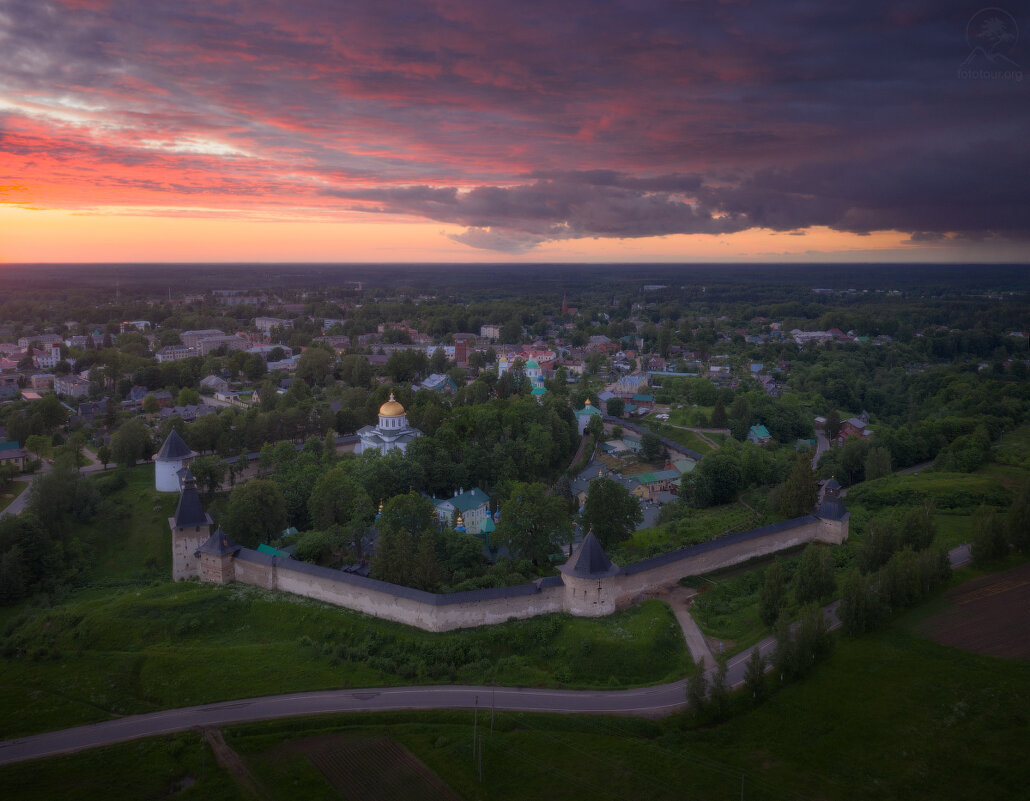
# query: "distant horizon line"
{"points": [[960, 263]]}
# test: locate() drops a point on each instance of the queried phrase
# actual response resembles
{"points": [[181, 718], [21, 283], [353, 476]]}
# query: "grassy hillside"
{"points": [[889, 715], [113, 652]]}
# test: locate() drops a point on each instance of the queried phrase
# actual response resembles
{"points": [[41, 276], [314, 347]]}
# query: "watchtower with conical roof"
{"points": [[832, 514], [191, 527], [215, 556], [590, 580], [174, 455]]}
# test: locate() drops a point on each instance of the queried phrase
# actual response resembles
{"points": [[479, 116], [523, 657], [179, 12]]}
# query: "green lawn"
{"points": [[688, 439], [1014, 448], [687, 415], [13, 490], [179, 766], [889, 715], [700, 525], [122, 651], [130, 536]]}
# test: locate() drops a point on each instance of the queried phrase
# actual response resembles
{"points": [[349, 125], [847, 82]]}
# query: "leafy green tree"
{"points": [[41, 445], [610, 510], [511, 331], [188, 397], [814, 579], [917, 527], [717, 480], [799, 492], [150, 404], [799, 650], [427, 574], [832, 425], [61, 498], [409, 513], [719, 416], [130, 443], [615, 407], [773, 597], [314, 366], [595, 427], [754, 676], [861, 607], [394, 558], [321, 547], [719, 693], [254, 366], [256, 513], [104, 455], [209, 471], [533, 524], [881, 542], [651, 447], [697, 690], [1017, 523], [989, 542], [877, 464], [337, 499]]}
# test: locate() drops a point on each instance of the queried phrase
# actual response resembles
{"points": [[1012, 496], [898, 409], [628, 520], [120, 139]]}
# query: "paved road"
{"points": [[656, 701], [821, 446]]}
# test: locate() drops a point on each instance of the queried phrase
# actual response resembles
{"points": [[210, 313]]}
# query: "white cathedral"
{"points": [[392, 432]]}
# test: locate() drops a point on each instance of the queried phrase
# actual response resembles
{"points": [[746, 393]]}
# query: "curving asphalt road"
{"points": [[656, 701]]}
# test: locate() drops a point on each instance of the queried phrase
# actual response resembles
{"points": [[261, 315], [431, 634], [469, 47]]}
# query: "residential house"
{"points": [[48, 358], [43, 340], [214, 383], [42, 381], [438, 382], [759, 434], [853, 427], [13, 453], [8, 386], [473, 506], [229, 342], [266, 324], [173, 353], [90, 410], [163, 398], [137, 394], [71, 385], [193, 337]]}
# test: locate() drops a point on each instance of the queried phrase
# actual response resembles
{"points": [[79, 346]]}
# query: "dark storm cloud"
{"points": [[530, 121]]}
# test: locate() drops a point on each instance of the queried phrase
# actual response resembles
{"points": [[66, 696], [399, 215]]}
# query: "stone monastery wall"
{"points": [[584, 596]]}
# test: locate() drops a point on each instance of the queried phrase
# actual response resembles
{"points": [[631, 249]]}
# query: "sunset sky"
{"points": [[312, 130]]}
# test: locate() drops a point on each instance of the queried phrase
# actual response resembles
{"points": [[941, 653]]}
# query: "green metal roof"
{"points": [[471, 499], [262, 548]]}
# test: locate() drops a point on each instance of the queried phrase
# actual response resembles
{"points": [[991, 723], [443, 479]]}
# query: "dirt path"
{"points": [[232, 762], [679, 601]]}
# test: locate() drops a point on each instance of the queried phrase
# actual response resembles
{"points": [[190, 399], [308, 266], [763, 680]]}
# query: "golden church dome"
{"points": [[391, 408]]}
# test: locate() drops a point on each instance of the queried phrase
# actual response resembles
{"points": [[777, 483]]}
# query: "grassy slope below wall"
{"points": [[125, 651], [889, 715], [729, 612]]}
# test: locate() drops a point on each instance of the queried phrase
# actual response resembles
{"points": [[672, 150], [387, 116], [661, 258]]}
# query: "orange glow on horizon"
{"points": [[64, 236]]}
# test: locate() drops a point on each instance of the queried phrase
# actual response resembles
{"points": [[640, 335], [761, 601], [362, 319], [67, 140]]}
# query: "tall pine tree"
{"points": [[799, 493]]}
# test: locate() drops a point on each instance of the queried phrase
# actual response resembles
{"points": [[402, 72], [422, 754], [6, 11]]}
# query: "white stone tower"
{"points": [[173, 456], [590, 579]]}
